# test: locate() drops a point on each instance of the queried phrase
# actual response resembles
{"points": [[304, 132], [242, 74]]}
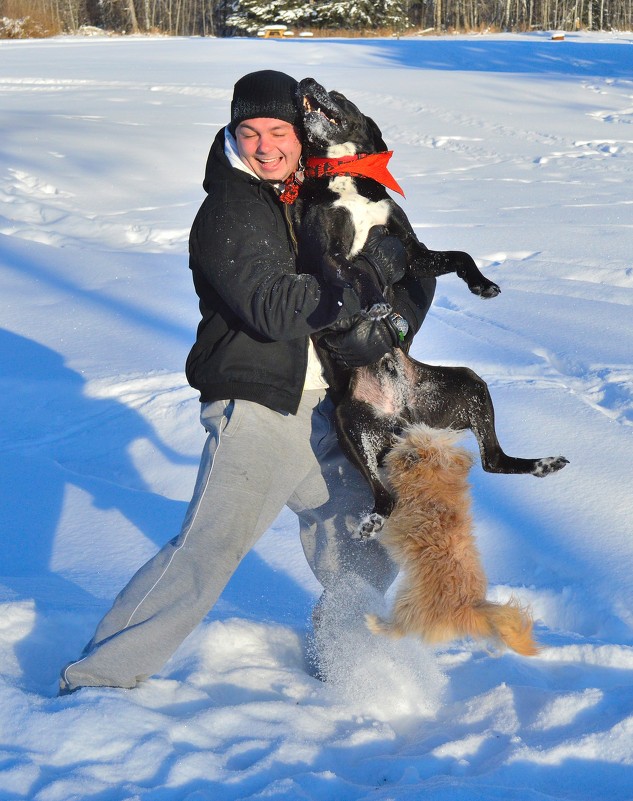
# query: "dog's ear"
{"points": [[376, 135]]}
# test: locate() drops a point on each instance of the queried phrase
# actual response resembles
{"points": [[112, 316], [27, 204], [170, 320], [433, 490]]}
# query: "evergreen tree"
{"points": [[351, 14], [361, 14], [251, 15]]}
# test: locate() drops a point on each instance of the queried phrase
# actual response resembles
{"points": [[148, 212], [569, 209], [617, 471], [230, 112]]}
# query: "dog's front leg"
{"points": [[362, 279], [423, 261], [456, 261]]}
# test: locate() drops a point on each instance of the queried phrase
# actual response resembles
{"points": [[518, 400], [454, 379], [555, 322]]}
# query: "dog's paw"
{"points": [[550, 464], [369, 526], [378, 311], [485, 290]]}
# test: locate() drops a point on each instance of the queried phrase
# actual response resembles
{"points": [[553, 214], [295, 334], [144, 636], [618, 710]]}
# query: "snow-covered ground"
{"points": [[517, 149]]}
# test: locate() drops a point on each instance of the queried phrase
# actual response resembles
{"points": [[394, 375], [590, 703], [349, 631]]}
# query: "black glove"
{"points": [[363, 343], [385, 254]]}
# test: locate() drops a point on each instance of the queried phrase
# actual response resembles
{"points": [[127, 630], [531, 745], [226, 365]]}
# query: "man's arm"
{"points": [[252, 268]]}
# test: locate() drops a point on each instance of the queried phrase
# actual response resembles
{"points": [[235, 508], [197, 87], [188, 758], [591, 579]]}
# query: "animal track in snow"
{"points": [[40, 211], [31, 185], [607, 388], [592, 148], [497, 259], [610, 87], [609, 147], [624, 116]]}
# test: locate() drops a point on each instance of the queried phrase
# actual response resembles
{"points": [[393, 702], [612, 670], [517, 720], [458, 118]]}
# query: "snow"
{"points": [[517, 149]]}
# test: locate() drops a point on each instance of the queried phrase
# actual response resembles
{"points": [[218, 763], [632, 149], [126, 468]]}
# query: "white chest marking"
{"points": [[364, 213]]}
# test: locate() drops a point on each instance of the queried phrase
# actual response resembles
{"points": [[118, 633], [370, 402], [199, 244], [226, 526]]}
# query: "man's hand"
{"points": [[363, 343]]}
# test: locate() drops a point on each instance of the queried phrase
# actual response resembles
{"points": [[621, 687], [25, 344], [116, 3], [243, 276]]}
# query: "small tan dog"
{"points": [[429, 535]]}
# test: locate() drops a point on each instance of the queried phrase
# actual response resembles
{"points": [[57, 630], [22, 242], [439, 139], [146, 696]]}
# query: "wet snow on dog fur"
{"points": [[517, 149]]}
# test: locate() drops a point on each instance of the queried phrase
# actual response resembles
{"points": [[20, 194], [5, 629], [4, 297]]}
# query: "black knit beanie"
{"points": [[266, 93]]}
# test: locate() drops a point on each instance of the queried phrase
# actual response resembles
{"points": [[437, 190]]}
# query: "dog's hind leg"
{"points": [[493, 458], [365, 438], [461, 400]]}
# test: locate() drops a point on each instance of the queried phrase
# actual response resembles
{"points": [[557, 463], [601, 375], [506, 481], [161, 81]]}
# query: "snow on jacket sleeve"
{"points": [[241, 247]]}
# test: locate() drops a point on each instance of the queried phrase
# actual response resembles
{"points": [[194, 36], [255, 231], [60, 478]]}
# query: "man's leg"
{"points": [[329, 503], [252, 460], [354, 574]]}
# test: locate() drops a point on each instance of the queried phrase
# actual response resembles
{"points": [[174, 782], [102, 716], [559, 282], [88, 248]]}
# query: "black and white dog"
{"points": [[338, 203]]}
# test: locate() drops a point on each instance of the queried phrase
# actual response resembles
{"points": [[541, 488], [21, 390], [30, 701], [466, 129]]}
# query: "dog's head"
{"points": [[333, 125], [428, 460]]}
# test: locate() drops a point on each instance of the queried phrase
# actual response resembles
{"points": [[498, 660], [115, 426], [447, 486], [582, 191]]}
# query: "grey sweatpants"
{"points": [[255, 461]]}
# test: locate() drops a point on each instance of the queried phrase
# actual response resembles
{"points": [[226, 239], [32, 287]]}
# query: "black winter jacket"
{"points": [[257, 312]]}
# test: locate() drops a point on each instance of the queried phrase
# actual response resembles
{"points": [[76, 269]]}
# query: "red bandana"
{"points": [[364, 165]]}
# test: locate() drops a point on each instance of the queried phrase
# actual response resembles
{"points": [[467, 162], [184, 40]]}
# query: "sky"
{"points": [[515, 148]]}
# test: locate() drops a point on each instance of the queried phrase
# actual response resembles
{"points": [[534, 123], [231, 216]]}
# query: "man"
{"points": [[271, 440]]}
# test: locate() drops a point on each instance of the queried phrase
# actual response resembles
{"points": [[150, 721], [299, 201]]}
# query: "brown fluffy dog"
{"points": [[443, 590]]}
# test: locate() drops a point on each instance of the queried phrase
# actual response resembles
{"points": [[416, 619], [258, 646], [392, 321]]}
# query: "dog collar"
{"points": [[290, 190], [362, 165]]}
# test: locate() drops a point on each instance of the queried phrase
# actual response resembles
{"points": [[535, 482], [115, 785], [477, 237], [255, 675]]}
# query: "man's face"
{"points": [[271, 148]]}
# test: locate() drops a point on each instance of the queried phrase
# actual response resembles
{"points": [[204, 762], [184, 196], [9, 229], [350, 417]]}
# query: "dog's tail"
{"points": [[510, 623]]}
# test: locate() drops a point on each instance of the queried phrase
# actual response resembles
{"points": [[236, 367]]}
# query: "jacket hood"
{"points": [[219, 169]]}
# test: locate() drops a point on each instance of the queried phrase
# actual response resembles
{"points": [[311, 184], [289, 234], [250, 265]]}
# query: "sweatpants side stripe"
{"points": [[182, 544]]}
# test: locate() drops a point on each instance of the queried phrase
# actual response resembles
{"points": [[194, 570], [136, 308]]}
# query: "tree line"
{"points": [[360, 17]]}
